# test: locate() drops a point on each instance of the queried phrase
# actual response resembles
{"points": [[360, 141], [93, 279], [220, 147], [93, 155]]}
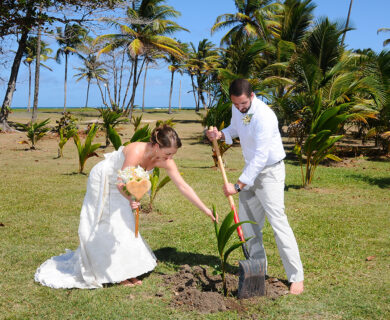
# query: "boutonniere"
{"points": [[247, 118]]}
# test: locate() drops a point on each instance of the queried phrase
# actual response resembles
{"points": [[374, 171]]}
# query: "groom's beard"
{"points": [[245, 110]]}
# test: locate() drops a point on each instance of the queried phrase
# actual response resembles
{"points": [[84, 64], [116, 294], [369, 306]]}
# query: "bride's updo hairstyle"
{"points": [[165, 137]]}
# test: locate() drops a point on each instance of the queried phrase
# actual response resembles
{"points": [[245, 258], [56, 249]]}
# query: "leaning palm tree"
{"points": [[141, 37], [30, 52], [68, 39]]}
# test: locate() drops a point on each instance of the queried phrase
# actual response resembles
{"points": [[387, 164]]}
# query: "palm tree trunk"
{"points": [[12, 82], [127, 89], [143, 91], [115, 73], [29, 87], [170, 93], [86, 102], [112, 102], [347, 23], [180, 95], [121, 77], [37, 71], [101, 92], [193, 90], [132, 98], [66, 79]]}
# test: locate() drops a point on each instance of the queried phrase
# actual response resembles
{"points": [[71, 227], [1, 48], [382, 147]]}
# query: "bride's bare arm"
{"points": [[185, 188]]}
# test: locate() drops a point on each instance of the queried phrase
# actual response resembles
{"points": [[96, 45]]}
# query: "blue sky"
{"points": [[198, 16]]}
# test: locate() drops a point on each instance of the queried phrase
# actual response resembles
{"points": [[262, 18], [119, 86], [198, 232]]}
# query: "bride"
{"points": [[109, 252]]}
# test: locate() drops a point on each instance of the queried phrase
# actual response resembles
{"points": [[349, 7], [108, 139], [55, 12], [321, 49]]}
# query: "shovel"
{"points": [[251, 271]]}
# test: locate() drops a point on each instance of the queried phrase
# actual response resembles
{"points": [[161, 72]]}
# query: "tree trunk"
{"points": [[347, 23], [12, 83], [120, 78], [170, 93], [37, 71], [180, 95], [193, 90], [86, 102], [132, 98], [29, 87], [66, 79], [101, 92], [143, 90], [115, 74]]}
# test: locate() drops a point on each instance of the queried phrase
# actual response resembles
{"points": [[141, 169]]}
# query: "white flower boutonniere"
{"points": [[247, 118]]}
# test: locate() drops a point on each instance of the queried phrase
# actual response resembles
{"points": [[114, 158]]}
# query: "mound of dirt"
{"points": [[195, 289]]}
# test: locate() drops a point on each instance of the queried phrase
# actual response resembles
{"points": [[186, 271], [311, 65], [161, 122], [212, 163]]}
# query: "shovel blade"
{"points": [[251, 278]]}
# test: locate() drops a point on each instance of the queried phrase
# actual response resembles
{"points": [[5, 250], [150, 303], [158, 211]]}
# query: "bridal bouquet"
{"points": [[137, 183], [133, 173], [136, 180]]}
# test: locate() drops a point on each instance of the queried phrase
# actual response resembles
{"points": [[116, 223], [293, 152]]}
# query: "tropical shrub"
{"points": [[65, 135], [66, 122], [35, 131], [87, 149], [110, 120], [141, 135], [168, 122], [136, 121], [223, 235], [218, 116], [157, 185], [322, 136]]}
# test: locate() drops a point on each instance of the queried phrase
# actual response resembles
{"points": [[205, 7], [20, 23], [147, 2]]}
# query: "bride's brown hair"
{"points": [[165, 137]]}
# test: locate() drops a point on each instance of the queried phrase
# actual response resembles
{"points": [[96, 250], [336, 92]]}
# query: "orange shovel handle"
{"points": [[225, 181]]}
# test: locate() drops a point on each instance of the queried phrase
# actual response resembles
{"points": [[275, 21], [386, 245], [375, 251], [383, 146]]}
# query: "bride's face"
{"points": [[164, 154]]}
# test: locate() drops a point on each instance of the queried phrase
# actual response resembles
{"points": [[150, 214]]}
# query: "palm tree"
{"points": [[30, 52], [202, 61], [92, 70], [254, 19], [175, 65], [68, 39], [140, 38]]}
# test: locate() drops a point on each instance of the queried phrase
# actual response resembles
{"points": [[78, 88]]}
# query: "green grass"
{"points": [[338, 222]]}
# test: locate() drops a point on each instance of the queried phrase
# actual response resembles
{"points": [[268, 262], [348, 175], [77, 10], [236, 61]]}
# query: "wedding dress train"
{"points": [[108, 252]]}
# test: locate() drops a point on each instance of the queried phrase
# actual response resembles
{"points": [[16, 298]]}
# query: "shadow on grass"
{"points": [[172, 256], [382, 183], [75, 174]]}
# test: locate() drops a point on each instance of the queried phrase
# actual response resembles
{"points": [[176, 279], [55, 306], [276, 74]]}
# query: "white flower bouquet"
{"points": [[136, 182]]}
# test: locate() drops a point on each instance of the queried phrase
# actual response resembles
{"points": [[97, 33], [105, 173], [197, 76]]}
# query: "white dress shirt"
{"points": [[260, 139]]}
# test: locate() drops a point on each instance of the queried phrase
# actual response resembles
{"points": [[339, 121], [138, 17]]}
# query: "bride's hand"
{"points": [[209, 213], [134, 204]]}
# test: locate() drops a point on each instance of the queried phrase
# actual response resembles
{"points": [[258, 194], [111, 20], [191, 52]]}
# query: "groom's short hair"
{"points": [[239, 87]]}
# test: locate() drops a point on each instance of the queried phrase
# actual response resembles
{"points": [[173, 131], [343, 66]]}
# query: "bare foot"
{"points": [[127, 283], [296, 287], [135, 281]]}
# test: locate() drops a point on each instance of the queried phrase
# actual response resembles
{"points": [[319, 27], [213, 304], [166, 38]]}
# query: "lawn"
{"points": [[339, 221]]}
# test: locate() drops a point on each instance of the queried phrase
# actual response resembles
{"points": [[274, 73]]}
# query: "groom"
{"points": [[261, 184]]}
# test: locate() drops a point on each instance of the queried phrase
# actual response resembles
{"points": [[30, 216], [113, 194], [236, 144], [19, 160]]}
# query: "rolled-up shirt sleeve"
{"points": [[230, 133], [263, 137]]}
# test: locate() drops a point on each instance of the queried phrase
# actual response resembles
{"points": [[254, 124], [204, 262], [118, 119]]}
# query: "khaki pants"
{"points": [[266, 198]]}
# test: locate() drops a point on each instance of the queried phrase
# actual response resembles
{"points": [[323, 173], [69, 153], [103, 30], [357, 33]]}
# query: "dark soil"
{"points": [[195, 289]]}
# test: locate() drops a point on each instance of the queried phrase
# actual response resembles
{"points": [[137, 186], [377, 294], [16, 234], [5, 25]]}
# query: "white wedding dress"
{"points": [[108, 252]]}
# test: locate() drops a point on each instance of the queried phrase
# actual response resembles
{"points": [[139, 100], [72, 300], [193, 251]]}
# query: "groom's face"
{"points": [[242, 102]]}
